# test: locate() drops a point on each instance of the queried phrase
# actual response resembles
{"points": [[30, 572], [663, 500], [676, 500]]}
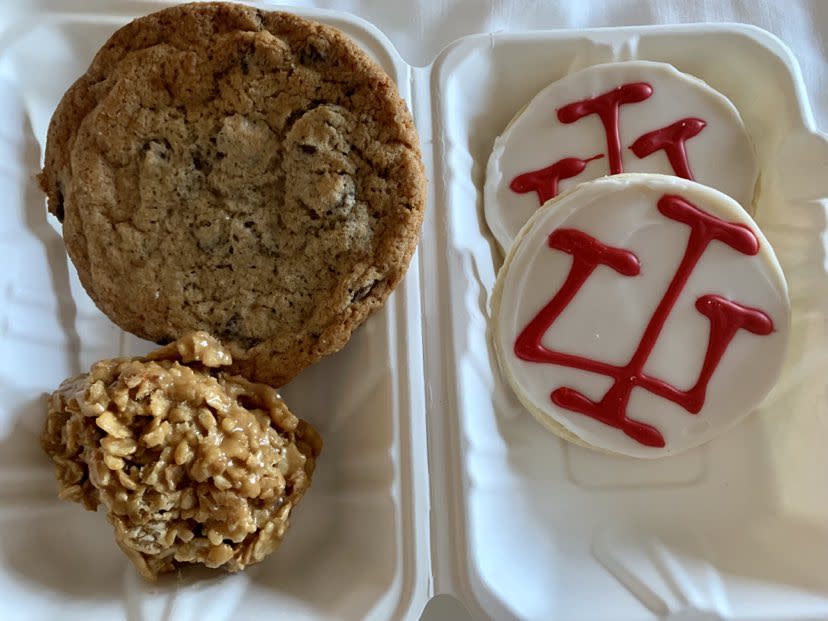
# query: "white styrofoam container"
{"points": [[433, 479], [541, 529]]}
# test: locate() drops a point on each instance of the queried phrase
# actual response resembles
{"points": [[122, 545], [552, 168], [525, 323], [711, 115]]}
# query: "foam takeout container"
{"points": [[434, 479]]}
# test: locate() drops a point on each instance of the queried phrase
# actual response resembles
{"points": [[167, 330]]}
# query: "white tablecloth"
{"points": [[421, 29]]}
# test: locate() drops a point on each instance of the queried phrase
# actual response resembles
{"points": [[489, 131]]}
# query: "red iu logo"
{"points": [[670, 139], [726, 318]]}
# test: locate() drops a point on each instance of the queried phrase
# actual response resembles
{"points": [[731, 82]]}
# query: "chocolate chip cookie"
{"points": [[253, 174]]}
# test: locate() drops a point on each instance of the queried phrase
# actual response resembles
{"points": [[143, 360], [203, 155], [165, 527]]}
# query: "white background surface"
{"points": [[421, 29]]}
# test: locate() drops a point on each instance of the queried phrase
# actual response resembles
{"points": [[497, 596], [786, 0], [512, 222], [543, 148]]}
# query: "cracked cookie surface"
{"points": [[252, 174]]}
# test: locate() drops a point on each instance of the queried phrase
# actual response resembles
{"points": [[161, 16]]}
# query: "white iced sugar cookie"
{"points": [[634, 116], [641, 314]]}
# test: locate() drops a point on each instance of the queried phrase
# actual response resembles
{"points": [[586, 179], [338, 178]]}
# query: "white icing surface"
{"points": [[721, 155], [607, 317]]}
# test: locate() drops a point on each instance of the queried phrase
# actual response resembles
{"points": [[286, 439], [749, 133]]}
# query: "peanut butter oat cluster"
{"points": [[192, 464]]}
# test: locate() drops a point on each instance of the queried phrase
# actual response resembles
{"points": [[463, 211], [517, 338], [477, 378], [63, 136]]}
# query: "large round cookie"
{"points": [[631, 116], [248, 173], [641, 314]]}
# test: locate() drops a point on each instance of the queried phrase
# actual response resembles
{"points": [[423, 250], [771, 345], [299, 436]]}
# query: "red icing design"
{"points": [[606, 106], [671, 139], [726, 317], [545, 181]]}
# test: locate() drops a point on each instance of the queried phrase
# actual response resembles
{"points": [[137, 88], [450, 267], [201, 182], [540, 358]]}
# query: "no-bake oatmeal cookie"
{"points": [[192, 464]]}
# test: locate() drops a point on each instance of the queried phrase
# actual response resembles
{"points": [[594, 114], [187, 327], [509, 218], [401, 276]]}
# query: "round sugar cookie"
{"points": [[641, 314], [248, 173], [635, 116]]}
